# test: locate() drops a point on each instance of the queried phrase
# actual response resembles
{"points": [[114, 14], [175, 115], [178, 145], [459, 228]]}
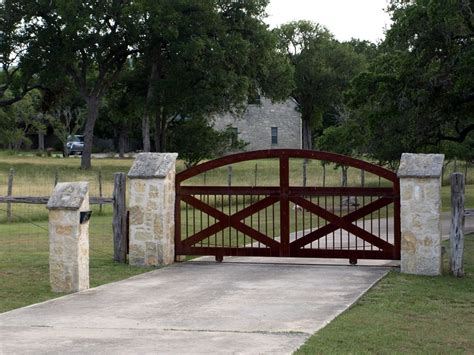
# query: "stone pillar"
{"points": [[420, 202], [68, 237], [152, 196]]}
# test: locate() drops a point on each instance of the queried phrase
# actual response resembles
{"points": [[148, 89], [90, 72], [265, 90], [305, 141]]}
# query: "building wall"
{"points": [[255, 125]]}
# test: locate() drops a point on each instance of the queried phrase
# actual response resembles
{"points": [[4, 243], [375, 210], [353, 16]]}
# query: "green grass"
{"points": [[406, 314], [24, 275], [23, 262]]}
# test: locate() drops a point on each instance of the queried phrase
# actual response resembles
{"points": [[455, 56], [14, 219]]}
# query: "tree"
{"points": [[16, 81], [419, 90], [20, 119], [323, 69], [194, 139], [85, 41], [203, 57]]}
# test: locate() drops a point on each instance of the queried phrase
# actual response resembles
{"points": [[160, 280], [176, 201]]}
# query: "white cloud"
{"points": [[363, 19]]}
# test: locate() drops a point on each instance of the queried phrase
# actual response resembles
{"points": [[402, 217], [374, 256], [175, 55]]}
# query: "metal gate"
{"points": [[288, 219]]}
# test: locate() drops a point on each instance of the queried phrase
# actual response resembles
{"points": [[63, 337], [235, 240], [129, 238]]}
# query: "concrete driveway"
{"points": [[261, 306]]}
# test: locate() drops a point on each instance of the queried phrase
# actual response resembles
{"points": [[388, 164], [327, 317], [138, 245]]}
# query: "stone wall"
{"points": [[254, 126]]}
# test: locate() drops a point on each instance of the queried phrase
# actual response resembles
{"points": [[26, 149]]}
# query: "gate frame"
{"points": [[286, 193]]}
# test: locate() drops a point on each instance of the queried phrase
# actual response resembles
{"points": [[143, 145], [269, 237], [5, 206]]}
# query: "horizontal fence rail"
{"points": [[43, 200]]}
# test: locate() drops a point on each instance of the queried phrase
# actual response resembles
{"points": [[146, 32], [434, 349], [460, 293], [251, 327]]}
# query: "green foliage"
{"points": [[323, 69], [20, 119], [420, 88], [204, 57], [195, 140]]}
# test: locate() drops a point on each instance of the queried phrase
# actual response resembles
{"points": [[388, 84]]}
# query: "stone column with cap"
{"points": [[68, 237], [151, 205], [420, 202]]}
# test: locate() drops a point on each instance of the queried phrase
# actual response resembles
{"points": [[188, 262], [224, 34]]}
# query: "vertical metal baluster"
{"points": [[340, 215], [187, 221], [223, 230], [258, 216], [245, 239], [230, 213], [311, 221], [215, 220], [273, 221], [194, 224], [371, 224], [208, 222], [348, 234], [333, 233]]}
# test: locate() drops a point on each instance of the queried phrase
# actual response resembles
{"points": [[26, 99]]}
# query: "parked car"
{"points": [[75, 144]]}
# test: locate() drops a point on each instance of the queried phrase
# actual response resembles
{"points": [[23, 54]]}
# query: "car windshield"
{"points": [[79, 139]]}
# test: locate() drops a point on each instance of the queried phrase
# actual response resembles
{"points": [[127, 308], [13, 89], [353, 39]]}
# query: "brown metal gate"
{"points": [[288, 219]]}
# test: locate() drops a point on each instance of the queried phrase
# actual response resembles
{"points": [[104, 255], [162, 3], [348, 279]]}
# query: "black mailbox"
{"points": [[85, 216]]}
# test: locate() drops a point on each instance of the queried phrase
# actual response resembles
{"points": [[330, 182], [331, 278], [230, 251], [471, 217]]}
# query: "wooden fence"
{"points": [[118, 201]]}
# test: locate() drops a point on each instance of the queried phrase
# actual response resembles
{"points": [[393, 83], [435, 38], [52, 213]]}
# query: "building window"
{"points": [[254, 99], [274, 135]]}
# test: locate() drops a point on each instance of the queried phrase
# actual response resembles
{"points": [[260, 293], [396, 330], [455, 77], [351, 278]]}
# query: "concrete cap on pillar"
{"points": [[68, 196], [421, 165], [152, 165]]}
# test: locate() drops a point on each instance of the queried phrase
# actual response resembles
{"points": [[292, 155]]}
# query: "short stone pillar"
{"points": [[152, 198], [420, 202], [69, 237]]}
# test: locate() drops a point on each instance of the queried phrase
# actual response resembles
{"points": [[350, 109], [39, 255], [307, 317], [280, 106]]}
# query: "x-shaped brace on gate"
{"points": [[336, 222], [233, 221]]}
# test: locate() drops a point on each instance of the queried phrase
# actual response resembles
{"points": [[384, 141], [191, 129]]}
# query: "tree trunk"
{"points": [[122, 140], [92, 113], [65, 152], [306, 135], [160, 132], [154, 76], [41, 141]]}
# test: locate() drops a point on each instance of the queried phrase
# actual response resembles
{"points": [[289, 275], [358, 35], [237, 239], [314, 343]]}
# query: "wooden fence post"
{"points": [[119, 223], [456, 234], [56, 177], [9, 194]]}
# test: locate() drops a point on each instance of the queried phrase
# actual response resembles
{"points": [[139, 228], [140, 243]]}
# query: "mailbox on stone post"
{"points": [[69, 237]]}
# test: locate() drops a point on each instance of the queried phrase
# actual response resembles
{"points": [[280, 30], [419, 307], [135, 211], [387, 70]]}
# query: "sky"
{"points": [[362, 19]]}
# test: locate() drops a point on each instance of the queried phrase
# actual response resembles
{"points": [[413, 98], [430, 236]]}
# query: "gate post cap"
{"points": [[421, 165], [152, 165], [68, 196]]}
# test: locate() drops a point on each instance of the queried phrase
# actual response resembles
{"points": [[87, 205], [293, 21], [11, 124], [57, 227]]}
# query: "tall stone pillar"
{"points": [[151, 205], [420, 202], [69, 237]]}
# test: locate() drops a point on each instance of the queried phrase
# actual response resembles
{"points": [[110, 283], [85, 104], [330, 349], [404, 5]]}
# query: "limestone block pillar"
{"points": [[69, 237], [420, 202], [151, 205]]}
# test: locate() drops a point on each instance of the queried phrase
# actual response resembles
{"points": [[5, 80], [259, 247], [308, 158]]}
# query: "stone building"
{"points": [[265, 125]]}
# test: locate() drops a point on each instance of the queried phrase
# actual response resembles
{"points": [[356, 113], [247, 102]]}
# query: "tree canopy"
{"points": [[419, 90]]}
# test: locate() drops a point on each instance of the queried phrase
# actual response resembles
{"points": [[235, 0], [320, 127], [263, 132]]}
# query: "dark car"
{"points": [[75, 144]]}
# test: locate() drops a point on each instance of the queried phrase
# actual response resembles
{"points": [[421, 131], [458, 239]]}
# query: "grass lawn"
{"points": [[24, 275], [406, 314]]}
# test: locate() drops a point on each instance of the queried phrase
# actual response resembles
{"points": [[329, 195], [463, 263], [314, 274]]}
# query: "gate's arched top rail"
{"points": [[288, 153]]}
